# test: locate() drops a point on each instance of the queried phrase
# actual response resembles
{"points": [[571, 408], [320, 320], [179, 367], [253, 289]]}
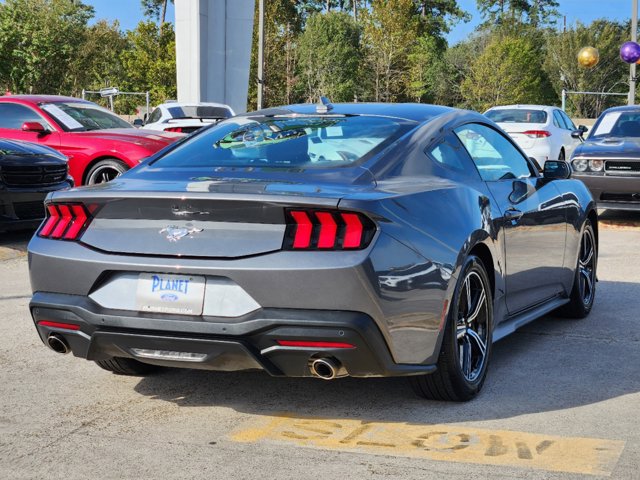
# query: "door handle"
{"points": [[512, 214]]}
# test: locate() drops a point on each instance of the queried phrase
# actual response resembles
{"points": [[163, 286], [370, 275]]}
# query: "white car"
{"points": [[544, 133], [186, 117]]}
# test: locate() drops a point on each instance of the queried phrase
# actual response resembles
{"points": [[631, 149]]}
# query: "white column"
{"points": [[213, 50]]}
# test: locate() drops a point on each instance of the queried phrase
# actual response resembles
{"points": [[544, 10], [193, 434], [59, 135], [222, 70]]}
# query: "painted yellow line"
{"points": [[440, 442]]}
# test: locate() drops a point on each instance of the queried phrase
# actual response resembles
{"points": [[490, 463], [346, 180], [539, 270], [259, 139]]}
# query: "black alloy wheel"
{"points": [[466, 347], [583, 292]]}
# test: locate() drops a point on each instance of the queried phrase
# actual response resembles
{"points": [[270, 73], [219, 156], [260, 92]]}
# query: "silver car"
{"points": [[323, 241]]}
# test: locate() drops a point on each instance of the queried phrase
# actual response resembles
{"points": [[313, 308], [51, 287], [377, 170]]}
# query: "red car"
{"points": [[99, 144]]}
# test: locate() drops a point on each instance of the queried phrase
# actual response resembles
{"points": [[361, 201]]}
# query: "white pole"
{"points": [[634, 38], [260, 53]]}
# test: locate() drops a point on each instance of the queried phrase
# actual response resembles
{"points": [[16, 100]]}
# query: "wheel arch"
{"points": [[98, 159]]}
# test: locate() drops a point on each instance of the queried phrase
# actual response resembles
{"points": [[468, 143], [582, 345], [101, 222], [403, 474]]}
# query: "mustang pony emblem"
{"points": [[175, 233]]}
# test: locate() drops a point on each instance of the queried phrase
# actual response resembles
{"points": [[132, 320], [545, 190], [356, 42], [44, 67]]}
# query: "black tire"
{"points": [[126, 366], [105, 170], [583, 292], [450, 382]]}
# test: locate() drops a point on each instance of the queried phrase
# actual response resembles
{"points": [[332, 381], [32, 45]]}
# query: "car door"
{"points": [[533, 216], [571, 127], [14, 115]]}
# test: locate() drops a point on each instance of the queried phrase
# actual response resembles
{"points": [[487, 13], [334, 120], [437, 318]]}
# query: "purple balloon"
{"points": [[630, 52]]}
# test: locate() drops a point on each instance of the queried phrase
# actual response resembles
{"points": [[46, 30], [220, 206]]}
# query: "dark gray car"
{"points": [[355, 239]]}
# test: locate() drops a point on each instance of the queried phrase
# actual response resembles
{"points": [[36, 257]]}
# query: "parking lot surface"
{"points": [[562, 400]]}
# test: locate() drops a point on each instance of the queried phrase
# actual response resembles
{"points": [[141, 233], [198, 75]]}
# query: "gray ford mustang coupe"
{"points": [[318, 240]]}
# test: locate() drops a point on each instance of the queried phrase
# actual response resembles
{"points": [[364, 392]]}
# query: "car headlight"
{"points": [[580, 165], [596, 165]]}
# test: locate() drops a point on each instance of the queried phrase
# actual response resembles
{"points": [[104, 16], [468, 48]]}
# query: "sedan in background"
{"points": [[99, 144], [422, 236], [28, 173], [609, 160], [544, 133], [186, 117]]}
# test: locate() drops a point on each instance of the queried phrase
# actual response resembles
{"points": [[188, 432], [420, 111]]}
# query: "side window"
{"points": [[495, 157], [155, 116], [13, 115], [447, 154], [570, 125], [557, 120]]}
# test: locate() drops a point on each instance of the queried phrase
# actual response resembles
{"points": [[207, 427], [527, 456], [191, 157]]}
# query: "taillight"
{"points": [[65, 221], [537, 133], [327, 230], [173, 129]]}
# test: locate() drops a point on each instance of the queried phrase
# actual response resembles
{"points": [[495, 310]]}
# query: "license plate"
{"points": [[162, 293]]}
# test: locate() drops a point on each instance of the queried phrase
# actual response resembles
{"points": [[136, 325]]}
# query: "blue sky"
{"points": [[129, 13]]}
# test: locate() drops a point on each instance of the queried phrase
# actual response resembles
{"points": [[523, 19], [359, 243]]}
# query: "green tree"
{"points": [[329, 57], [532, 12], [38, 41], [508, 71], [390, 30], [609, 75], [425, 70], [155, 9], [98, 62], [150, 62]]}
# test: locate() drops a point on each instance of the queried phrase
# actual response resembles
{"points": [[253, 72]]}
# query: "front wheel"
{"points": [[105, 171], [583, 292], [466, 347]]}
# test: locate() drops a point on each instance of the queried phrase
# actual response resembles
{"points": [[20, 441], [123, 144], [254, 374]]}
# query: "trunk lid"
{"points": [[200, 216]]}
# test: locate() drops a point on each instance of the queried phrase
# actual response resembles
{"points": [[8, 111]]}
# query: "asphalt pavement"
{"points": [[562, 401]]}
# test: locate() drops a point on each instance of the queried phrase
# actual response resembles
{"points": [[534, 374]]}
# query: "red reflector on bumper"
{"points": [[303, 343], [66, 326]]}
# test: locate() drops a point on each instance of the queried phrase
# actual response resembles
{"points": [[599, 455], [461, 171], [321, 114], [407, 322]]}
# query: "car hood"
{"points": [[149, 139], [16, 148], [618, 147]]}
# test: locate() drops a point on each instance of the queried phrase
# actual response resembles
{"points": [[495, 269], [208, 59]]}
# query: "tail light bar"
{"points": [[327, 230], [537, 133], [173, 129], [65, 221]]}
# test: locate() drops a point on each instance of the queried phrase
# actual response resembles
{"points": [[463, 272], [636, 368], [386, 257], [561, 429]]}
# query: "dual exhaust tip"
{"points": [[326, 368], [57, 343]]}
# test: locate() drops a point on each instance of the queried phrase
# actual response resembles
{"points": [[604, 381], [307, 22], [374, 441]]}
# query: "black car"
{"points": [[28, 172], [608, 162]]}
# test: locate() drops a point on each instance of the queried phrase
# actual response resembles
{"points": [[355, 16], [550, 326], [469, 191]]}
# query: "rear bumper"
{"points": [[249, 342], [613, 192]]}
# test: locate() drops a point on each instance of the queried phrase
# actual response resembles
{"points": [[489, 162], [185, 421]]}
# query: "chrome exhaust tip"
{"points": [[326, 368], [57, 343]]}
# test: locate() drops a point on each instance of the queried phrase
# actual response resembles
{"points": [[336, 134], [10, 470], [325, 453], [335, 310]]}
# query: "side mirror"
{"points": [[138, 122], [582, 129], [36, 127], [556, 169], [576, 134]]}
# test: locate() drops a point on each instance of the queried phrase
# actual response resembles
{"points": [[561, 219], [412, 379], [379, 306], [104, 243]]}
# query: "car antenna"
{"points": [[324, 105]]}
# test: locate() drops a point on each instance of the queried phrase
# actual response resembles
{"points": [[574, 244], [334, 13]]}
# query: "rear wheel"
{"points": [[584, 285], [126, 366], [466, 347], [105, 171]]}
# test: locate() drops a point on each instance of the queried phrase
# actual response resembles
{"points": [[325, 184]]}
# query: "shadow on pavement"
{"points": [[14, 243], [551, 364], [619, 219]]}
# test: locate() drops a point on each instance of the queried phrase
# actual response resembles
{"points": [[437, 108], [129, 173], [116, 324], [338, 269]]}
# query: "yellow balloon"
{"points": [[588, 57]]}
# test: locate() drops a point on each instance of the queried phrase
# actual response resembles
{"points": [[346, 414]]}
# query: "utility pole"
{"points": [[634, 38], [260, 53]]}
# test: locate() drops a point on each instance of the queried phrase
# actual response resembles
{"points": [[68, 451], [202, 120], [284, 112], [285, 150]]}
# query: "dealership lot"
{"points": [[561, 401]]}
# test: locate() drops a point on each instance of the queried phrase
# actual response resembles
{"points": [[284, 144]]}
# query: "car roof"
{"points": [[192, 104], [35, 99], [418, 112], [529, 107], [624, 108]]}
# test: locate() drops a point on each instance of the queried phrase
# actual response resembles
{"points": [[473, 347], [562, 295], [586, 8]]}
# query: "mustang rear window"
{"points": [[322, 141]]}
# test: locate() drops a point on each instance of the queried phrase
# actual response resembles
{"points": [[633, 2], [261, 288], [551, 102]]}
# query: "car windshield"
{"points": [[198, 111], [617, 124], [83, 116], [517, 115], [322, 141]]}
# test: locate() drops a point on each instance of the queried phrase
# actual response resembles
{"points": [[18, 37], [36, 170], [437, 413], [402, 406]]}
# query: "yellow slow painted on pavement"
{"points": [[440, 442]]}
